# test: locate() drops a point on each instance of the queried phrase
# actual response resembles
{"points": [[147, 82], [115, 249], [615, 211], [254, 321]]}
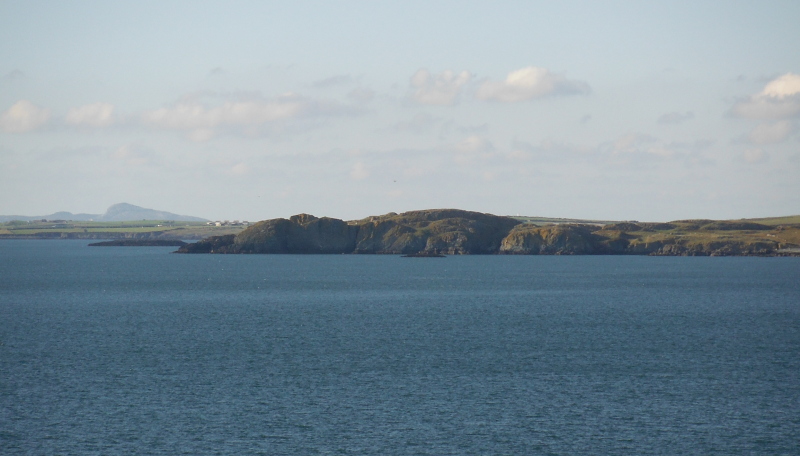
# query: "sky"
{"points": [[250, 110]]}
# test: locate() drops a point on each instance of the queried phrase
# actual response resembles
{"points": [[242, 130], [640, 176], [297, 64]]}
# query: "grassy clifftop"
{"points": [[453, 231], [687, 237], [450, 231], [142, 229]]}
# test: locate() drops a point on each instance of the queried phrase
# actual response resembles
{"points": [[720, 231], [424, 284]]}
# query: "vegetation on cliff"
{"points": [[448, 231], [454, 232], [141, 229]]}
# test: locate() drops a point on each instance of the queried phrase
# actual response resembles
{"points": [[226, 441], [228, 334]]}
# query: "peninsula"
{"points": [[459, 232]]}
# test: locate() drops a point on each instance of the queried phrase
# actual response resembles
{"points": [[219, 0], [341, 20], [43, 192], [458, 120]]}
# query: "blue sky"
{"points": [[254, 110]]}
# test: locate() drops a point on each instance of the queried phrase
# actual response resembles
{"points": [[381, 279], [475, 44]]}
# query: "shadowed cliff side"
{"points": [[448, 231], [457, 232], [553, 240]]}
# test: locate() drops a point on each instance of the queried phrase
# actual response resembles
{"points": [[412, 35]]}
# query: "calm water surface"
{"points": [[114, 350]]}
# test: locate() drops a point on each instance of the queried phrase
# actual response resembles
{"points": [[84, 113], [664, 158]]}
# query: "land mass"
{"points": [[121, 212], [458, 232], [138, 230]]}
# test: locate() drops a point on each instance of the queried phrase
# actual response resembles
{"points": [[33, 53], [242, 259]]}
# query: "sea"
{"points": [[135, 350]]}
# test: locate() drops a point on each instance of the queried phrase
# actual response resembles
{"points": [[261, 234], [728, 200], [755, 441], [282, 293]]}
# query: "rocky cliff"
{"points": [[553, 240], [457, 232], [448, 231]]}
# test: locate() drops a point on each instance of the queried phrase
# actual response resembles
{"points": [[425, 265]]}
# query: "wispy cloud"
{"points": [[473, 148], [91, 115], [201, 118], [13, 75], [770, 133], [333, 81], [419, 124], [133, 155], [361, 94], [359, 171], [443, 89], [529, 83], [755, 156], [674, 118]]}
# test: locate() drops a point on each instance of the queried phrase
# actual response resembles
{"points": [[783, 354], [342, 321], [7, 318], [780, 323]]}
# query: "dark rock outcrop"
{"points": [[553, 240], [448, 231], [457, 232], [302, 233], [213, 244]]}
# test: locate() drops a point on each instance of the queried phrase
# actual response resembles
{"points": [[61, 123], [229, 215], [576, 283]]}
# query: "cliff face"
{"points": [[455, 232], [302, 233], [553, 240], [447, 231]]}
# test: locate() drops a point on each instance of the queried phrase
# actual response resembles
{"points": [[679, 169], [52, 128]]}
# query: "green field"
{"points": [[775, 221], [771, 221], [540, 221], [172, 230], [161, 229]]}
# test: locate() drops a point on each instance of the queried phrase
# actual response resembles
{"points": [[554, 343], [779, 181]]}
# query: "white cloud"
{"points": [[23, 116], [529, 83], [673, 118], [200, 134], [549, 150], [768, 133], [201, 120], [472, 148], [641, 147], [755, 156], [239, 169], [359, 171], [782, 87], [442, 90], [190, 115], [133, 155], [474, 144], [91, 115], [632, 143], [780, 99]]}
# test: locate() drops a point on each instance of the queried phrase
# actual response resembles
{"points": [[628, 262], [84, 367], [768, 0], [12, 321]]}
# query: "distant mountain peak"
{"points": [[126, 212], [121, 212]]}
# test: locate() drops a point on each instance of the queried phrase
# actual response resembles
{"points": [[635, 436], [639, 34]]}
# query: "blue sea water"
{"points": [[123, 350]]}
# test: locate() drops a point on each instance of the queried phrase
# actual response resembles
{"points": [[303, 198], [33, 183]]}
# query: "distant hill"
{"points": [[122, 212]]}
